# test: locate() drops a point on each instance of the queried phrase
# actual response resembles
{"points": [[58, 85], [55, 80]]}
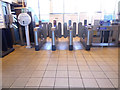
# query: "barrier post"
{"points": [[70, 38], [53, 39], [36, 39]]}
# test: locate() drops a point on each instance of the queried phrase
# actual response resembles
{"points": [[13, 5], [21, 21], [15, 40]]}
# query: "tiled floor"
{"points": [[26, 68]]}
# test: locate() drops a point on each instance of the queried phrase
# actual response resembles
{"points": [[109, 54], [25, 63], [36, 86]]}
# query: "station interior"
{"points": [[59, 44]]}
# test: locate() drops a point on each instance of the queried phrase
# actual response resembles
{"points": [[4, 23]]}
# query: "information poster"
{"points": [[2, 23]]}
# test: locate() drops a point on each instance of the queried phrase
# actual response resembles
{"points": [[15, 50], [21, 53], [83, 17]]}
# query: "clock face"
{"points": [[24, 19]]}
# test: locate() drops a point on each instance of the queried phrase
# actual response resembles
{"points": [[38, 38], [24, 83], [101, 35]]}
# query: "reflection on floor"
{"points": [[26, 68], [63, 44]]}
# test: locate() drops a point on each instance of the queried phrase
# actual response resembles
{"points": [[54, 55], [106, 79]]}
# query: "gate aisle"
{"points": [[62, 44]]}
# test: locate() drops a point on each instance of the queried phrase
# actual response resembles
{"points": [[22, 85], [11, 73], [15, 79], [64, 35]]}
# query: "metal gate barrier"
{"points": [[86, 37], [40, 34], [105, 35], [70, 38], [83, 32], [67, 33]]}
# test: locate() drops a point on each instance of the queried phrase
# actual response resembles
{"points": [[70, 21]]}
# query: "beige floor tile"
{"points": [[80, 58], [62, 68], [62, 56], [114, 82], [73, 68], [99, 75], [82, 63], [75, 83], [101, 63], [38, 74], [11, 74], [86, 75], [51, 68], [47, 82], [111, 75], [95, 68], [95, 56], [54, 59], [33, 82], [41, 68], [62, 64], [26, 74], [91, 63], [62, 59], [30, 68], [30, 88], [62, 74], [50, 74], [43, 63], [7, 82], [104, 83], [90, 83], [61, 82], [46, 88], [106, 68], [74, 74], [98, 59], [20, 67], [111, 63], [24, 64], [73, 63], [20, 82], [54, 56], [71, 58], [84, 68]]}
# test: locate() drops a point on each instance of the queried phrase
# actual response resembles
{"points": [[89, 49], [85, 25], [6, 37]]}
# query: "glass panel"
{"points": [[44, 8], [57, 6], [76, 10]]}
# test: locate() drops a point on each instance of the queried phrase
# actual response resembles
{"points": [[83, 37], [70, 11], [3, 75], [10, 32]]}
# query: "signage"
{"points": [[108, 17], [24, 19]]}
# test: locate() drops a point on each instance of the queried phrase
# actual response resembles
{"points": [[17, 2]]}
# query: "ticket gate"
{"points": [[53, 38], [105, 35], [70, 38], [40, 34], [49, 30], [55, 31], [68, 33], [59, 30], [85, 33]]}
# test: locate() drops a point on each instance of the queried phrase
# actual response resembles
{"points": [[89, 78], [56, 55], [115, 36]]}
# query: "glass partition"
{"points": [[76, 10]]}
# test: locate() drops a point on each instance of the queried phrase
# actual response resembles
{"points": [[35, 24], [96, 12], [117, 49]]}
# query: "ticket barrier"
{"points": [[40, 38], [70, 38], [105, 35], [55, 37], [86, 37]]}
